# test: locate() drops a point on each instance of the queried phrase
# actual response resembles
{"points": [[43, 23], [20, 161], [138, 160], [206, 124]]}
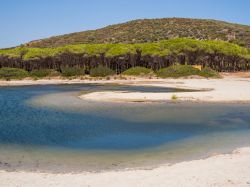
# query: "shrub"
{"points": [[174, 97], [186, 70], [72, 71], [208, 72], [178, 71], [101, 71], [136, 71], [44, 73], [13, 73]]}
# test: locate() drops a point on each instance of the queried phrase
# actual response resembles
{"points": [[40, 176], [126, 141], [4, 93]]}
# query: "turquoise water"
{"points": [[48, 128]]}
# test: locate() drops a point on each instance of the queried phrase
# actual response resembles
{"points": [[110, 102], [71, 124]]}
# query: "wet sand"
{"points": [[219, 170]]}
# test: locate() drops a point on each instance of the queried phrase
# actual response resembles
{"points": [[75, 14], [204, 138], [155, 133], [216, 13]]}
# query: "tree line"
{"points": [[218, 55]]}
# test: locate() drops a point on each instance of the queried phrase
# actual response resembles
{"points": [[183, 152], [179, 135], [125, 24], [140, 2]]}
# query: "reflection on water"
{"points": [[50, 128]]}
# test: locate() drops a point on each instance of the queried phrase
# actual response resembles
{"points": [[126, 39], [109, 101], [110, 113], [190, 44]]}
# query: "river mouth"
{"points": [[48, 128]]}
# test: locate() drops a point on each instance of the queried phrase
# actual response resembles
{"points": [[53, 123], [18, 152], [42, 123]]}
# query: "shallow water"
{"points": [[48, 128]]}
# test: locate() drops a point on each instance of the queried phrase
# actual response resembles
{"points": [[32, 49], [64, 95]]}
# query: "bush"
{"points": [[101, 71], [186, 70], [44, 73], [174, 97], [208, 72], [72, 71], [137, 71], [13, 73], [178, 71]]}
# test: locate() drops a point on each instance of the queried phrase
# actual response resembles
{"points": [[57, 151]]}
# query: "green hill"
{"points": [[149, 43], [152, 30]]}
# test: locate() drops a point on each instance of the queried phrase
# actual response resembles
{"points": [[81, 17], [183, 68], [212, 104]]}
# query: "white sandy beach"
{"points": [[220, 170]]}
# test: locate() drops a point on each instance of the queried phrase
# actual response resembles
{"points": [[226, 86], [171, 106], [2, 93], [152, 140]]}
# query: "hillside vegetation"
{"points": [[153, 30], [218, 55]]}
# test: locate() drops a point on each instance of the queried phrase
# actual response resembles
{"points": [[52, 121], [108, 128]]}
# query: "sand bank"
{"points": [[229, 89], [232, 88], [219, 170]]}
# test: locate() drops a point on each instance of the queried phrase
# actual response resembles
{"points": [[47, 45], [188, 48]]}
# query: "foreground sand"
{"points": [[220, 170]]}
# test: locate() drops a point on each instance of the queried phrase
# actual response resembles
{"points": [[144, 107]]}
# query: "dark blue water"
{"points": [[51, 122]]}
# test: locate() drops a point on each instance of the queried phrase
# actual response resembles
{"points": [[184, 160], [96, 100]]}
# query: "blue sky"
{"points": [[26, 20]]}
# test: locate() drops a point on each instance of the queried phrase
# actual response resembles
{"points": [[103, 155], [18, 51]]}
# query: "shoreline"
{"points": [[217, 170], [150, 167], [127, 80], [226, 90], [230, 89]]}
